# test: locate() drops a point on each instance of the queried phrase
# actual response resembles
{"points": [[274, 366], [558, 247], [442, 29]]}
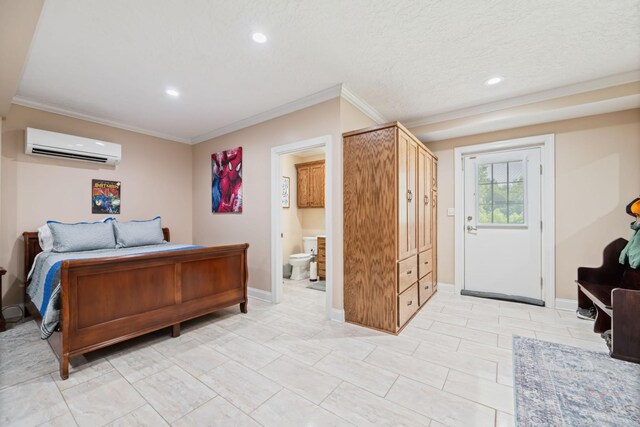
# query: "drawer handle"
{"points": [[409, 272], [426, 262], [426, 287], [409, 303]]}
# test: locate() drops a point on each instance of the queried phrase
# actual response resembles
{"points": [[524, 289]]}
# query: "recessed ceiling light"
{"points": [[259, 38], [172, 92], [494, 80]]}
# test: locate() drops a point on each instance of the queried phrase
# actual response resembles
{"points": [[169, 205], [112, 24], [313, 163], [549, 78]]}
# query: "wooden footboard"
{"points": [[109, 300]]}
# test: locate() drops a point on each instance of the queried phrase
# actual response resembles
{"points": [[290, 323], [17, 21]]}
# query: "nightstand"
{"points": [[2, 322]]}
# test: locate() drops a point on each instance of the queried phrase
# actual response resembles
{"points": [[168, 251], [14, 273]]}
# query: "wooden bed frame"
{"points": [[109, 300]]}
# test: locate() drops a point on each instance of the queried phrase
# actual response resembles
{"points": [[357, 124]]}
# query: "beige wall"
{"points": [[312, 222], [155, 175], [597, 174], [254, 224]]}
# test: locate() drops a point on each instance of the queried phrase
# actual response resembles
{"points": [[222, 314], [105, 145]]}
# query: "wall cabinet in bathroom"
{"points": [[390, 188], [310, 184]]}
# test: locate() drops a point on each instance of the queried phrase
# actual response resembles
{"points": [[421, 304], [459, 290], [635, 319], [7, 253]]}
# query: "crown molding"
{"points": [[31, 103], [299, 104], [565, 113], [362, 105], [605, 82]]}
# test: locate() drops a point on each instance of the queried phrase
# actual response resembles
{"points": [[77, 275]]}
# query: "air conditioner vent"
{"points": [[69, 155]]}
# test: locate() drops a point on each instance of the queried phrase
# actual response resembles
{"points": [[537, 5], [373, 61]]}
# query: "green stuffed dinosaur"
{"points": [[631, 252]]}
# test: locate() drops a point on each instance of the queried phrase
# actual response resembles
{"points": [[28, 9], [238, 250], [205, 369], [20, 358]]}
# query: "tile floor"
{"points": [[285, 365]]}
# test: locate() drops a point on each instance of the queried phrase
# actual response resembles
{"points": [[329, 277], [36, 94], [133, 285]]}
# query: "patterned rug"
{"points": [[558, 385]]}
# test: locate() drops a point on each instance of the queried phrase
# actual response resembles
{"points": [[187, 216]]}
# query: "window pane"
{"points": [[516, 214], [484, 173], [516, 171], [484, 194], [500, 193], [500, 172], [500, 214], [484, 214], [516, 192]]}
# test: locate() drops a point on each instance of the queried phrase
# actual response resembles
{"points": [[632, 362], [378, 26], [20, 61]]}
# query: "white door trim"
{"points": [[276, 214], [547, 145]]}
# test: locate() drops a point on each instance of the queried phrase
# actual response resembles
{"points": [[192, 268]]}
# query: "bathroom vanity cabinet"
{"points": [[310, 184], [390, 193]]}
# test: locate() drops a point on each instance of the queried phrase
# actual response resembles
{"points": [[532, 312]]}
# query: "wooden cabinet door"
{"points": [[316, 186], [303, 187], [407, 168], [424, 200]]}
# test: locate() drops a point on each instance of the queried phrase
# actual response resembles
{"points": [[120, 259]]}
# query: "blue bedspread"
{"points": [[44, 287]]}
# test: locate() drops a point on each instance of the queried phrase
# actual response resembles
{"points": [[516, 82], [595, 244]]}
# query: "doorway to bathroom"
{"points": [[301, 224]]}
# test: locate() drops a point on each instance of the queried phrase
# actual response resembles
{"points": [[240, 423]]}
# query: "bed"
{"points": [[107, 300]]}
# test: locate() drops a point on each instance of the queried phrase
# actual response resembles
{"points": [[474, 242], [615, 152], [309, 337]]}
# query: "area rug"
{"points": [[559, 385], [320, 285]]}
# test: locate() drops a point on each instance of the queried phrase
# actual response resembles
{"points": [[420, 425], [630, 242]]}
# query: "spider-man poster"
{"points": [[226, 181], [105, 197]]}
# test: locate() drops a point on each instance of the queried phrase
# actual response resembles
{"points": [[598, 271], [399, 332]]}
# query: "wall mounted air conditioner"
{"points": [[52, 144]]}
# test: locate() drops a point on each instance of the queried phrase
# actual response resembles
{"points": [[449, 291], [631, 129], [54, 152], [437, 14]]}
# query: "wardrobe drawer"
{"points": [[425, 288], [407, 273], [407, 304], [425, 262]]}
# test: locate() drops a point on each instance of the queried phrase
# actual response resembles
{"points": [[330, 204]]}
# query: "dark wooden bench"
{"points": [[614, 288]]}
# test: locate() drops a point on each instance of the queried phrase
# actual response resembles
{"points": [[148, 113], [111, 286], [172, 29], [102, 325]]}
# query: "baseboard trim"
{"points": [[566, 304], [259, 294], [337, 315]]}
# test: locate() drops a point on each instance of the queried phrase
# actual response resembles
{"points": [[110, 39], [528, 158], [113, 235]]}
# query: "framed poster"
{"points": [[105, 196], [226, 181], [285, 191]]}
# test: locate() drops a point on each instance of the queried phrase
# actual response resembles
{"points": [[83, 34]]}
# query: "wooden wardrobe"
{"points": [[390, 193]]}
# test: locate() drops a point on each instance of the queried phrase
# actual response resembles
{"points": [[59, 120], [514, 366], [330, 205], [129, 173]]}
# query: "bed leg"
{"points": [[175, 330], [64, 366], [243, 307]]}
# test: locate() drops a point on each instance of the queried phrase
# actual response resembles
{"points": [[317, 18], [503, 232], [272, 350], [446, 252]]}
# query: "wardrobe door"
{"points": [[424, 201], [407, 168]]}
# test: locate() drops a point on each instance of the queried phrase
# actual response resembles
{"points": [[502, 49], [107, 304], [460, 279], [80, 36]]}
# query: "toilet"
{"points": [[300, 262]]}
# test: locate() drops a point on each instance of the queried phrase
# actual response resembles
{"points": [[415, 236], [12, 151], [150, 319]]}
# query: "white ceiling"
{"points": [[409, 60]]}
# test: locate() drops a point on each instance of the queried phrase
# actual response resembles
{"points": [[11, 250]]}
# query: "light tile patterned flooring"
{"points": [[285, 365]]}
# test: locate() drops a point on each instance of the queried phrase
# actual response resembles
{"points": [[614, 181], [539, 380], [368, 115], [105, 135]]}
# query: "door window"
{"points": [[501, 193]]}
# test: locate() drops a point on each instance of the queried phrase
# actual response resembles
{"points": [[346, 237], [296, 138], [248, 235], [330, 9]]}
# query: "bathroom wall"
{"points": [[291, 216]]}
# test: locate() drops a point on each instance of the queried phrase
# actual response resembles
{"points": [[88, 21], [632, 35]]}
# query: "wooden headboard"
{"points": [[32, 248]]}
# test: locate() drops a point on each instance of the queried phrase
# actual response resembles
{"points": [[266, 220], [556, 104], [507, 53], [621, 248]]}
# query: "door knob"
{"points": [[471, 228]]}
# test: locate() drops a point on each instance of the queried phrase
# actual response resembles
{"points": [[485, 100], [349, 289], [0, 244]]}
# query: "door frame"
{"points": [[325, 142], [547, 157]]}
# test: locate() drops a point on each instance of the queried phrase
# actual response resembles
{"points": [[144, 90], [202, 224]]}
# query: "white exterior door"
{"points": [[502, 223]]}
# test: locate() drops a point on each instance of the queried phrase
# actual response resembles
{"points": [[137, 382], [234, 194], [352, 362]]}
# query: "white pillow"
{"points": [[45, 238]]}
